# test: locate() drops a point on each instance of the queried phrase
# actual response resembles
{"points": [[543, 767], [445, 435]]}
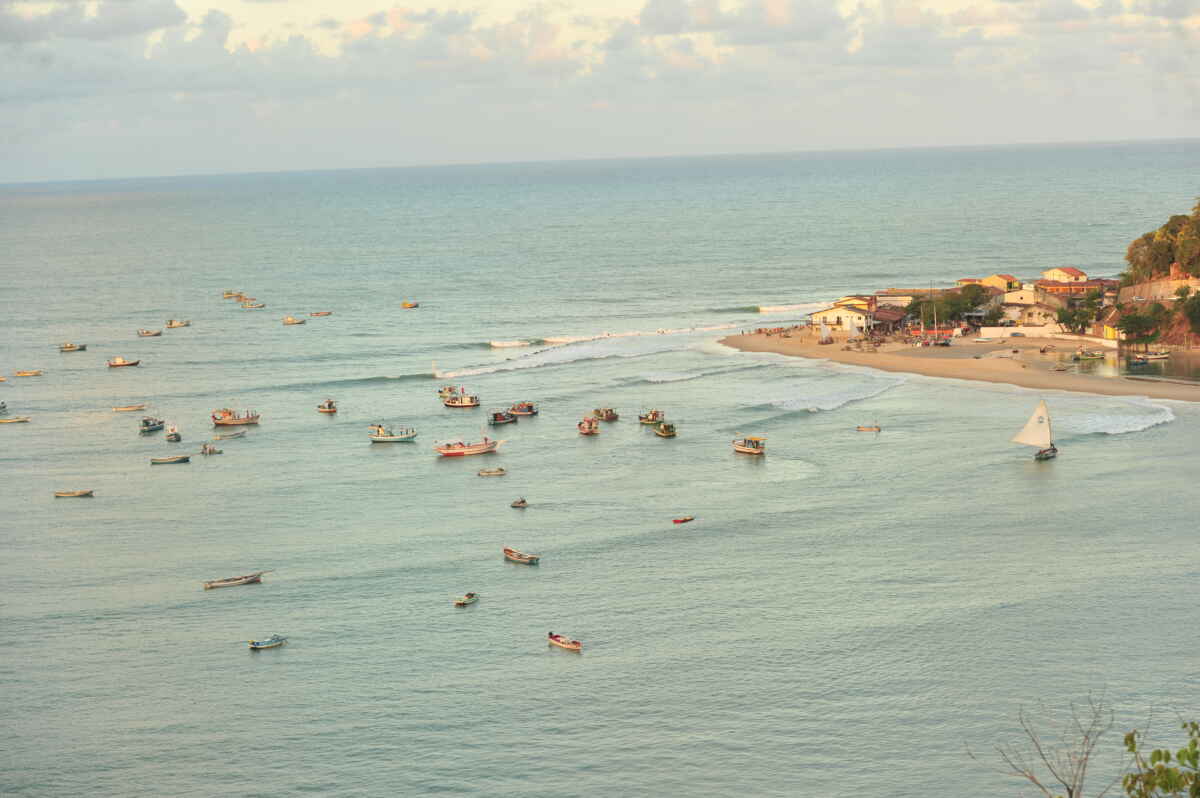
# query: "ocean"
{"points": [[843, 618]]}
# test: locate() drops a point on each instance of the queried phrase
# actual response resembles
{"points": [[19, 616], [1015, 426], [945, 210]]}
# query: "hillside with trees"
{"points": [[1178, 241]]}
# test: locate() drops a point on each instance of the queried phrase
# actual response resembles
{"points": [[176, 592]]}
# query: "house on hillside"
{"points": [[1005, 282], [1064, 274], [1161, 290], [1105, 325], [1078, 288], [1034, 295]]}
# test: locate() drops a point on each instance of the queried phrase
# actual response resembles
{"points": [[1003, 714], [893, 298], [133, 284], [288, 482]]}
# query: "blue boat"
{"points": [[274, 641], [151, 424]]}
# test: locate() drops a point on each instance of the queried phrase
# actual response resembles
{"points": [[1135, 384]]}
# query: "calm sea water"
{"points": [[842, 617]]}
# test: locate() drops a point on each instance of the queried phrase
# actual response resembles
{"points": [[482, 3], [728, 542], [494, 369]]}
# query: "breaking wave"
{"points": [[834, 397], [1146, 415]]}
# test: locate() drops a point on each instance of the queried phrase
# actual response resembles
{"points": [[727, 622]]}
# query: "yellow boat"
{"points": [[29, 373], [750, 445]]}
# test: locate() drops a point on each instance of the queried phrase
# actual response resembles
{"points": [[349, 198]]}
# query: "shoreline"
{"points": [[996, 363]]}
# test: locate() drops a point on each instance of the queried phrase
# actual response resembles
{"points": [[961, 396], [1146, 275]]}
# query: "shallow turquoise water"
{"points": [[843, 616]]}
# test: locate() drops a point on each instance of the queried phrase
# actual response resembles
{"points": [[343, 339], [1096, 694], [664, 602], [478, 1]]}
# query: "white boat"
{"points": [[750, 445], [174, 324], [227, 435], [1036, 432], [1156, 355], [461, 399], [382, 434], [292, 320], [462, 448], [508, 344]]}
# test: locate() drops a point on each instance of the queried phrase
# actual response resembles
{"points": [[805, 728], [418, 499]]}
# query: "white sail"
{"points": [[1036, 431]]}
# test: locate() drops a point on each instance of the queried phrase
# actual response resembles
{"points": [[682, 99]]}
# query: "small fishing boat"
{"points": [[318, 313], [524, 409], [1156, 355], [149, 333], [72, 347], [292, 320], [410, 305], [150, 424], [665, 430], [562, 641], [461, 399], [14, 420], [175, 324], [1083, 354], [233, 581], [683, 520], [520, 503], [461, 448], [1139, 361], [512, 555], [467, 600], [498, 417], [447, 390], [1061, 367], [507, 344], [226, 417], [750, 445], [605, 414], [3, 379], [1037, 432], [28, 373], [224, 436], [381, 434], [231, 295], [179, 458], [253, 305], [492, 472], [869, 428], [129, 408], [208, 448], [274, 641], [590, 425], [73, 494], [173, 434], [328, 406], [119, 362], [651, 417]]}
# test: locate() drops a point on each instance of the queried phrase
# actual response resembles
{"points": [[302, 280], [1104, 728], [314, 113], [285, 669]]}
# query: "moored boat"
{"points": [[179, 458], [382, 434], [173, 434], [274, 641], [328, 406], [524, 409], [150, 424], [684, 520], [175, 324], [1156, 355], [492, 472], [292, 320], [665, 430], [750, 445], [651, 417], [208, 448], [72, 347], [73, 494], [253, 305], [461, 448], [28, 373], [869, 428], [318, 313], [118, 362], [466, 600], [14, 420], [461, 399], [149, 333], [1084, 354], [129, 408], [410, 305], [520, 503], [229, 435], [231, 295], [562, 641], [226, 417], [232, 581], [498, 417], [605, 414], [512, 555], [589, 425]]}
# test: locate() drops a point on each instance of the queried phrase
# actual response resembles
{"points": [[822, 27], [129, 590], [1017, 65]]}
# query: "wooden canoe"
{"points": [[179, 458], [562, 641], [72, 494], [232, 581], [28, 373], [512, 555], [274, 641], [14, 420], [129, 408]]}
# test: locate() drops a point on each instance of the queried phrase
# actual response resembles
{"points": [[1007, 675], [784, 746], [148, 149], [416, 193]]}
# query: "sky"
{"points": [[122, 88]]}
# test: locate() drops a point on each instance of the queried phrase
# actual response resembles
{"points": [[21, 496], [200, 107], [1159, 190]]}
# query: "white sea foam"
{"points": [[1114, 417], [838, 395], [806, 307]]}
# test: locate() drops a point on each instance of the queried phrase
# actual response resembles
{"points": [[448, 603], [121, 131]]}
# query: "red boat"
{"points": [[683, 520], [322, 313], [225, 417], [462, 449], [562, 641], [589, 426]]}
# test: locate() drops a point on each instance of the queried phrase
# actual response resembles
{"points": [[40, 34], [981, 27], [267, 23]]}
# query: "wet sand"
{"points": [[996, 363]]}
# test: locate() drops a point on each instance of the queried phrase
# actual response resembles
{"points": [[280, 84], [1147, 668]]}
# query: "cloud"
{"points": [[111, 19]]}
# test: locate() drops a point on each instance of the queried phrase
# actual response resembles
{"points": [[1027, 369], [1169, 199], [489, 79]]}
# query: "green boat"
{"points": [[466, 600]]}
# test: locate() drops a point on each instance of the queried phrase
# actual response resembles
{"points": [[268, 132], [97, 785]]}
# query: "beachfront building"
{"points": [[1105, 325], [856, 301], [1005, 282], [1077, 288], [888, 319], [1064, 274], [1033, 295], [843, 317], [1037, 314], [894, 297]]}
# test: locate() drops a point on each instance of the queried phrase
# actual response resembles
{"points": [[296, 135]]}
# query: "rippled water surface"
{"points": [[841, 618]]}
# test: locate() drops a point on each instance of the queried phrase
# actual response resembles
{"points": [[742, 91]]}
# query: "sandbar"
{"points": [[1013, 361]]}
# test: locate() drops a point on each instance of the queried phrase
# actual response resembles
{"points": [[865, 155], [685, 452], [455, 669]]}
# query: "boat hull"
{"points": [[112, 365], [234, 581], [468, 449], [183, 458], [512, 555], [73, 494], [569, 645], [14, 420], [259, 645]]}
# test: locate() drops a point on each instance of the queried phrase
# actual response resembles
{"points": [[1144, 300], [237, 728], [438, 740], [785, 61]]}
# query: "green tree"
{"points": [[993, 316], [974, 294], [1158, 773], [1182, 292], [1138, 328]]}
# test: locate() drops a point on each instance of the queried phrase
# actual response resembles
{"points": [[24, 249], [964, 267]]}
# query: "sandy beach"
{"points": [[1015, 361]]}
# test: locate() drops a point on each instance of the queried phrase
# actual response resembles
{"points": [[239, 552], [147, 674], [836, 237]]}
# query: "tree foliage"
{"points": [[1151, 254], [1161, 774]]}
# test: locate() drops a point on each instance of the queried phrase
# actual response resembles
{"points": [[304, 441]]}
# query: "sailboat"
{"points": [[1036, 432]]}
